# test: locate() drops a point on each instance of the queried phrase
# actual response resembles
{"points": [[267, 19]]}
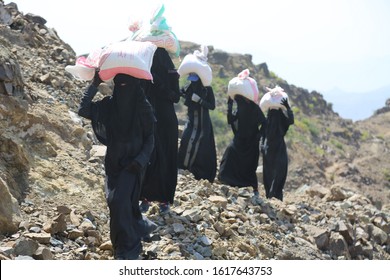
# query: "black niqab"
{"points": [[125, 95]]}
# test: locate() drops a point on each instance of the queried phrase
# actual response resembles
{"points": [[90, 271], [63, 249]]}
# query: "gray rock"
{"points": [[376, 234], [25, 247], [42, 237], [178, 228], [43, 253], [338, 246]]}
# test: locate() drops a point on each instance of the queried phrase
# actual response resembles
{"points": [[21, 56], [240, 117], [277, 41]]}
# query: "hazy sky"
{"points": [[312, 44]]}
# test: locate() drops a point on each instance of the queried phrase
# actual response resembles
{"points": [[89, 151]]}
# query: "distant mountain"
{"points": [[357, 106]]}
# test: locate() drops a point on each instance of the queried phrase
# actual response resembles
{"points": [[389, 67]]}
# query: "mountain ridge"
{"points": [[357, 105]]}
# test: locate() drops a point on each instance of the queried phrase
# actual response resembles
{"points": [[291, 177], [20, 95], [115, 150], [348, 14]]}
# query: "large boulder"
{"points": [[11, 81], [9, 210]]}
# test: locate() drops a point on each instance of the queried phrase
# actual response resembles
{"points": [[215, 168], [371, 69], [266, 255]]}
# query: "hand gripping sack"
{"points": [[271, 100], [245, 86], [197, 63]]}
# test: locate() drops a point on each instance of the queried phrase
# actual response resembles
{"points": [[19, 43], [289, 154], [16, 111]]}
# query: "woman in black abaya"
{"points": [[197, 147], [161, 175], [124, 123], [240, 160], [274, 150]]}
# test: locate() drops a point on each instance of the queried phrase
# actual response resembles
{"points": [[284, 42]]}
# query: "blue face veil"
{"points": [[193, 77]]}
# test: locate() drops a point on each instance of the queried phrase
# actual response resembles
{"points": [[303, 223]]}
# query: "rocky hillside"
{"points": [[51, 199]]}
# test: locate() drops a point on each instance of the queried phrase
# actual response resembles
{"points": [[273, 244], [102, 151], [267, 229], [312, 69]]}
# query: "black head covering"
{"points": [[127, 92], [162, 61], [275, 121], [248, 116]]}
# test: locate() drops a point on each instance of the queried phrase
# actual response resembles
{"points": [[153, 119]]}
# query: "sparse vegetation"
{"points": [[307, 125], [365, 135], [337, 144], [386, 174]]}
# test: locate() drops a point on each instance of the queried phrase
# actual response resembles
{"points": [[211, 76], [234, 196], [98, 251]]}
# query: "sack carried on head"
{"points": [[245, 86], [272, 99], [197, 63], [158, 32], [125, 57]]}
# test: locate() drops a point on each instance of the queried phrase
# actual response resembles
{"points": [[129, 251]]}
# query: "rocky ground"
{"points": [[337, 203], [210, 221]]}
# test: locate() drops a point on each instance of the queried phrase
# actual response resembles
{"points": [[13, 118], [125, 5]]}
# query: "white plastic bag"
{"points": [[157, 31], [245, 86], [272, 99], [197, 63], [81, 70]]}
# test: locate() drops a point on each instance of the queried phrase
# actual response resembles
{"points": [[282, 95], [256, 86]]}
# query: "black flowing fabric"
{"points": [[161, 175], [239, 162], [274, 150], [124, 123], [197, 151]]}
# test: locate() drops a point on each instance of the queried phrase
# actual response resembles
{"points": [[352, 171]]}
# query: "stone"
{"points": [[206, 241], [58, 224], [75, 233], [24, 258], [248, 248], [346, 231], [218, 200], [63, 209], [74, 218], [43, 253], [42, 237], [25, 247], [376, 234], [338, 246], [106, 246], [320, 236], [87, 225], [382, 223], [317, 190], [336, 194], [193, 214], [178, 228], [219, 227], [98, 151], [10, 216]]}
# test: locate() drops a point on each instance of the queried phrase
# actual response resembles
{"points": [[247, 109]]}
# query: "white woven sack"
{"points": [[197, 63], [127, 57], [166, 40], [245, 86], [272, 99]]}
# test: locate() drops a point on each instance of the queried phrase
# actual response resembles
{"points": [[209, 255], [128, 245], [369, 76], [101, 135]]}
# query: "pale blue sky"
{"points": [[318, 45]]}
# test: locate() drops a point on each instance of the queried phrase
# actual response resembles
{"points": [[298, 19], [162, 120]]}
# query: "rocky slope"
{"points": [[51, 199]]}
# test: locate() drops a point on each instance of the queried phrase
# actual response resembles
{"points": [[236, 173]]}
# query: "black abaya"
{"points": [[197, 151], [274, 150], [124, 123], [161, 175], [240, 160]]}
